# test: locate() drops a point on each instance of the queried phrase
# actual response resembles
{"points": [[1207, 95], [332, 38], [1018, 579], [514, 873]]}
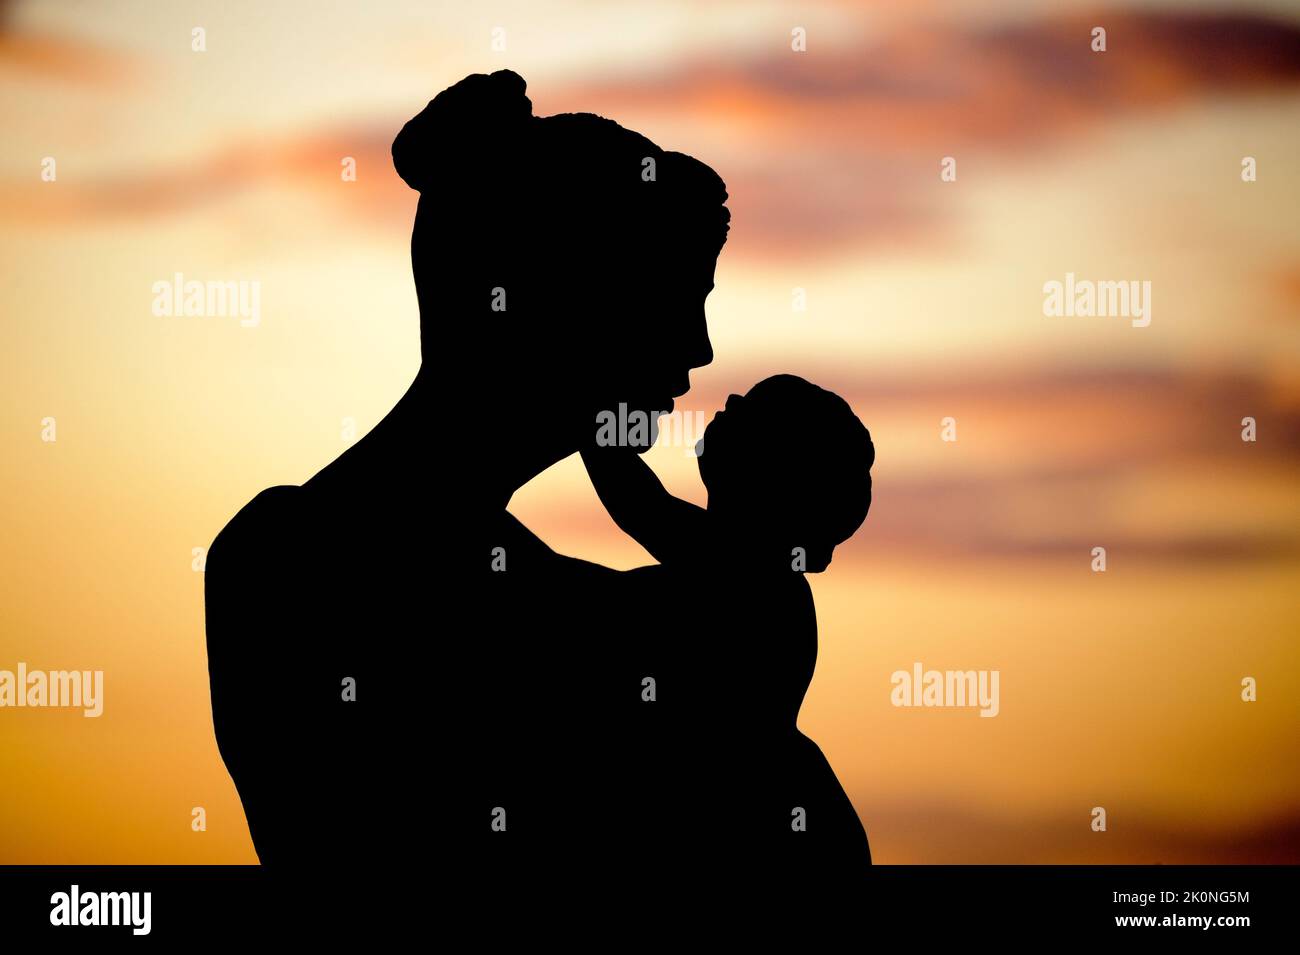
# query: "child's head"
{"points": [[786, 466]]}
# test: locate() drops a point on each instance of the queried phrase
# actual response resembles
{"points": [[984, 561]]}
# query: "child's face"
{"points": [[749, 494], [734, 403], [717, 433]]}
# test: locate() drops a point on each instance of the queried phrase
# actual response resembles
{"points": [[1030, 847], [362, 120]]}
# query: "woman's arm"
{"points": [[255, 614], [668, 527]]}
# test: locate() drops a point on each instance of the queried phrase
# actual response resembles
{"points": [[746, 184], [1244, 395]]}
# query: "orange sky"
{"points": [[924, 301]]}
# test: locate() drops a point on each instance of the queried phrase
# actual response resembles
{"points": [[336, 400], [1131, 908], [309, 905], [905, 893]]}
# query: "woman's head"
{"points": [[560, 260]]}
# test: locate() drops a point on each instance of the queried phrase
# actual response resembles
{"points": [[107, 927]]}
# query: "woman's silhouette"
{"points": [[398, 666]]}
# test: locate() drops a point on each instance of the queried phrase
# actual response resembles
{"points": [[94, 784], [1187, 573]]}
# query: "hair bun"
{"points": [[463, 125]]}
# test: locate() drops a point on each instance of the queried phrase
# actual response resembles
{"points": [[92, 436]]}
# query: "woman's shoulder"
{"points": [[251, 577], [275, 500], [272, 518], [273, 505]]}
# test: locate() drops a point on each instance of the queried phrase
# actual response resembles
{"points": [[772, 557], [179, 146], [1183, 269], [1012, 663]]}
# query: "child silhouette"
{"points": [[787, 468], [790, 508]]}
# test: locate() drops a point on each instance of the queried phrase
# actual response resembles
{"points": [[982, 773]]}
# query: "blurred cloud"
{"points": [[951, 835], [875, 118], [44, 56], [309, 164], [861, 127]]}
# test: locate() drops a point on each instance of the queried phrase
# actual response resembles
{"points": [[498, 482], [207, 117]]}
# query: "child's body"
{"points": [[731, 637]]}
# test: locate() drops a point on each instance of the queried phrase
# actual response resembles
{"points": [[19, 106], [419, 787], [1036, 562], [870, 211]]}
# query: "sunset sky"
{"points": [[924, 301]]}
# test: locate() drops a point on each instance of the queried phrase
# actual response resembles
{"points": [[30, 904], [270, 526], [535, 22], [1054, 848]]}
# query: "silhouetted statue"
{"points": [[400, 668]]}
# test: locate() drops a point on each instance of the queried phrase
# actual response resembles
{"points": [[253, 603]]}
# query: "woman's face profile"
{"points": [[660, 331]]}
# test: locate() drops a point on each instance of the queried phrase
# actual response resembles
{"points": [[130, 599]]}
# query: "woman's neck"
{"points": [[498, 450]]}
